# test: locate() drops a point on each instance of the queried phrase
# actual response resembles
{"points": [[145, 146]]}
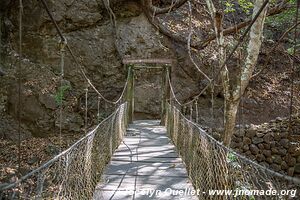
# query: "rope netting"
{"points": [[75, 172], [213, 166]]}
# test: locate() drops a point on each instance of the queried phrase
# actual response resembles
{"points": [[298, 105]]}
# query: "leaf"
{"points": [[60, 94]]}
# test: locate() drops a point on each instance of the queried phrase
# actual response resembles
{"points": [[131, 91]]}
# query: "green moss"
{"points": [[59, 96]]}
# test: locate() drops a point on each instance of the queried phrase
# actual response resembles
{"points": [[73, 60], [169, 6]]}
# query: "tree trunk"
{"points": [[232, 98], [230, 118], [233, 93]]}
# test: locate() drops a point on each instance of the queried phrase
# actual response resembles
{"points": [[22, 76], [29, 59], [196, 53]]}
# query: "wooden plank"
{"points": [[147, 159], [146, 123], [161, 154], [162, 144], [146, 169], [127, 182]]}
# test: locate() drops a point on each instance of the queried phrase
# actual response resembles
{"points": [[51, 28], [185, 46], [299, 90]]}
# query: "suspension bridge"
{"points": [[125, 159], [120, 158]]}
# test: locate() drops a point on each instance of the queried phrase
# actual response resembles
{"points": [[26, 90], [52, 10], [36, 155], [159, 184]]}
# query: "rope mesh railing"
{"points": [[75, 172], [212, 166]]}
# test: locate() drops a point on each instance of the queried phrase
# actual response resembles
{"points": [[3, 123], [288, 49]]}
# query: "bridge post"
{"points": [[168, 89], [130, 94], [166, 93]]}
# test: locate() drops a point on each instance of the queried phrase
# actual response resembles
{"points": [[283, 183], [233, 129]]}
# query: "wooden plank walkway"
{"points": [[145, 166]]}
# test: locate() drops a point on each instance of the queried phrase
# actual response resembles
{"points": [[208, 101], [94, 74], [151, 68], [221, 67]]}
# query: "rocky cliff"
{"points": [[99, 46]]}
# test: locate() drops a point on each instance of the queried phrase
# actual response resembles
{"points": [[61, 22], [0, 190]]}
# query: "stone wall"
{"points": [[271, 145]]}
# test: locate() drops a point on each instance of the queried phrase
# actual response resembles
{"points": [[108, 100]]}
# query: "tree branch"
{"points": [[162, 29], [156, 10], [273, 48], [201, 45], [189, 44], [236, 28]]}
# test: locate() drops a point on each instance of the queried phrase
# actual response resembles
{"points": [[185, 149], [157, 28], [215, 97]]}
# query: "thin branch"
{"points": [[240, 42], [189, 43], [201, 45], [236, 28], [274, 47], [157, 10], [111, 12]]}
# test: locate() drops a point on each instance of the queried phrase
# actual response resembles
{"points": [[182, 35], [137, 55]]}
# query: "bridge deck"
{"points": [[145, 163]]}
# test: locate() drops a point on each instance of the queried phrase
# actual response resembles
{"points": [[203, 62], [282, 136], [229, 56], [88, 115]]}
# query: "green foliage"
{"points": [[291, 49], [59, 96], [229, 7], [251, 198], [231, 157], [246, 5], [292, 1], [280, 23], [130, 65], [283, 19]]}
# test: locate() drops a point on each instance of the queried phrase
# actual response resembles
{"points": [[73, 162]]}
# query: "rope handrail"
{"points": [[201, 131], [172, 91], [91, 84], [54, 159], [19, 76], [195, 98], [124, 89]]}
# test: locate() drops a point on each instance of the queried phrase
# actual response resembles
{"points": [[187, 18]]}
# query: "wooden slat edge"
{"points": [[147, 61]]}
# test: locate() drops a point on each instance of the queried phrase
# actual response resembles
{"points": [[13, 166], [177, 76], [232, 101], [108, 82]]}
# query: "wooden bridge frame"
{"points": [[165, 66]]}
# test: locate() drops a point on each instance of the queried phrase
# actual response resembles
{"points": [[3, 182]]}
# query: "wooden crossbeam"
{"points": [[149, 67], [127, 61]]}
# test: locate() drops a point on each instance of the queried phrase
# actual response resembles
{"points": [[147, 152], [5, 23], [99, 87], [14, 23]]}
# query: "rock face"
{"points": [[98, 47], [38, 106]]}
